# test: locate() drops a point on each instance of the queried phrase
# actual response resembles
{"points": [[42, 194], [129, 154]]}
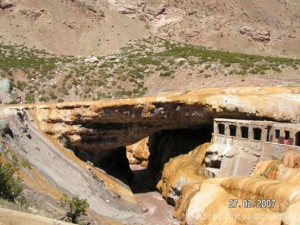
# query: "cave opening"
{"points": [[163, 146]]}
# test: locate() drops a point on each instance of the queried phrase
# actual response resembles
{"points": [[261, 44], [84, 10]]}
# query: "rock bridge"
{"points": [[91, 129]]}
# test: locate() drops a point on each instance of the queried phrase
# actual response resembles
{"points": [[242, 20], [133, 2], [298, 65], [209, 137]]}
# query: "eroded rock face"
{"points": [[274, 183], [51, 170], [155, 7], [92, 128], [260, 35], [180, 171], [138, 153], [6, 4]]}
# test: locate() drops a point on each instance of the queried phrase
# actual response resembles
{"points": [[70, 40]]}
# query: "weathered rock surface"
{"points": [[138, 153], [96, 131], [209, 201], [256, 34], [55, 170], [90, 128], [180, 171], [155, 7], [6, 4]]}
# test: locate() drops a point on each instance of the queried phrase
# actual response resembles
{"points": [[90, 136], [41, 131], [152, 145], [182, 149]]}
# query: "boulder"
{"points": [[6, 4], [155, 7], [91, 59], [260, 35]]}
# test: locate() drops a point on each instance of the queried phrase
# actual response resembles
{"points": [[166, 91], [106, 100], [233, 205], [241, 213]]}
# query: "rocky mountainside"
{"points": [[55, 51], [257, 27], [67, 27], [85, 27]]}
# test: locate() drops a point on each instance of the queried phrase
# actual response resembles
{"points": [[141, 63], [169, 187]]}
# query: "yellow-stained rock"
{"points": [[100, 125], [180, 171], [270, 196], [138, 153]]}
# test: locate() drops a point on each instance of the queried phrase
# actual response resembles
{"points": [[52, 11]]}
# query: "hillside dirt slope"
{"points": [[85, 27], [67, 27], [10, 217]]}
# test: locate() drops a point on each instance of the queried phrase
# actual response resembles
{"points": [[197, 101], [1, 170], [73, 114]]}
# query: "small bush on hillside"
{"points": [[75, 207], [10, 188]]}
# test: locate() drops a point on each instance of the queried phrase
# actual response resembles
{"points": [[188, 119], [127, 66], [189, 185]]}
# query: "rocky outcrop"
{"points": [[138, 153], [90, 9], [32, 13], [92, 128], [180, 171], [6, 4], [259, 35], [155, 7], [270, 195], [48, 170], [99, 131]]}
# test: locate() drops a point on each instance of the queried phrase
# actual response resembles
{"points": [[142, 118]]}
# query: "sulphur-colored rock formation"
{"points": [[182, 170], [91, 127], [270, 196], [138, 153], [99, 131]]}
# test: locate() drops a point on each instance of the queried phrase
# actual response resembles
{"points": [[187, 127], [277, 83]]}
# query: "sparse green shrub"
{"points": [[53, 96], [207, 66], [120, 70], [149, 61], [10, 188], [64, 90], [13, 102], [43, 99], [207, 75], [75, 206], [29, 98], [166, 74], [276, 69], [162, 67]]}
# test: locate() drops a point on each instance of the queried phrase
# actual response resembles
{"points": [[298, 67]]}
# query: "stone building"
{"points": [[238, 145]]}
